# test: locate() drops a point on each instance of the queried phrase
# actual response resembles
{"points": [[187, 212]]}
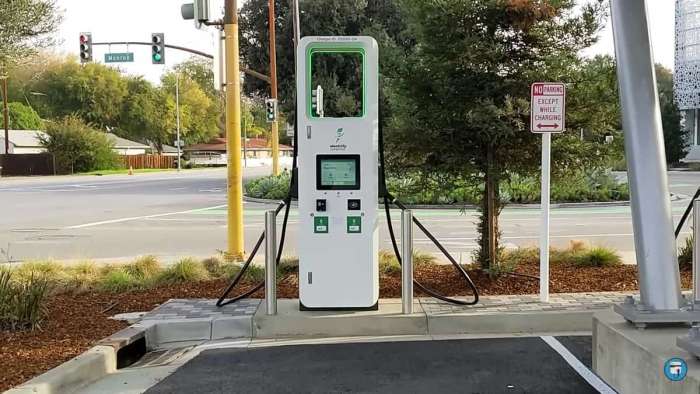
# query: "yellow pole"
{"points": [[233, 133], [274, 133]]}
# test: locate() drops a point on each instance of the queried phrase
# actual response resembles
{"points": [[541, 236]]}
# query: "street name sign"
{"points": [[125, 57], [548, 107]]}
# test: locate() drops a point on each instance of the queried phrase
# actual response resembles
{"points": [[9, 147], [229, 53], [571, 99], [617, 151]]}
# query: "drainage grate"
{"points": [[158, 358]]}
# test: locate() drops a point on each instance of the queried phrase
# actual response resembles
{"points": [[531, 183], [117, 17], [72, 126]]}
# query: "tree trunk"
{"points": [[490, 208]]}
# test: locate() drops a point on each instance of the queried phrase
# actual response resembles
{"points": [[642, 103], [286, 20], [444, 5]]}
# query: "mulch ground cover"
{"points": [[76, 321]]}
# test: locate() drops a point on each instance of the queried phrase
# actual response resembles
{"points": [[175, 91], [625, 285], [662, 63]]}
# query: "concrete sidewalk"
{"points": [[183, 321]]}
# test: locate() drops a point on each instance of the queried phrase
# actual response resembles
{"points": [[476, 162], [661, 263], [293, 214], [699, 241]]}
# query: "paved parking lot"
{"points": [[485, 365]]}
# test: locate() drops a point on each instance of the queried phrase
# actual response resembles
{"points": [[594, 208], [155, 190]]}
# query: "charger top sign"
{"points": [[548, 107]]}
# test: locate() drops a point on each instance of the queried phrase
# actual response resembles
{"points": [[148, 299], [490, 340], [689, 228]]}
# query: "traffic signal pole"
{"points": [[274, 131], [233, 133]]}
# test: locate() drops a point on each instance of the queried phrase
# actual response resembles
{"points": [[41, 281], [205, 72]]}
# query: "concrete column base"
{"points": [[631, 360]]}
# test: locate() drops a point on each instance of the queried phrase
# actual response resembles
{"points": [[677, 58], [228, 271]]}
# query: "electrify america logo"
{"points": [[338, 146]]}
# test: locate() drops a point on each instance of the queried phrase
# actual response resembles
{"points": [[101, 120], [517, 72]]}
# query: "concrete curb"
{"points": [[70, 376]]}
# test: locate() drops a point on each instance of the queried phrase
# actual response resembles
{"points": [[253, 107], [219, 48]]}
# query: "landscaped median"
{"points": [[71, 305]]}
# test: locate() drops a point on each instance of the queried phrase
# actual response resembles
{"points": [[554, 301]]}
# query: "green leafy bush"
{"points": [[185, 270], [78, 147], [23, 117], [269, 187]]}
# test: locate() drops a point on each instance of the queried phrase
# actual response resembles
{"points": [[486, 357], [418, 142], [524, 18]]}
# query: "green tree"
{"points": [[92, 91], [201, 72], [25, 26], [141, 118], [78, 147], [382, 19], [199, 113], [675, 137], [23, 117], [463, 94]]}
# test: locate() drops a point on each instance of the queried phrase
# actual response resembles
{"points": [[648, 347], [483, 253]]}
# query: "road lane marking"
{"points": [[129, 219], [594, 380]]}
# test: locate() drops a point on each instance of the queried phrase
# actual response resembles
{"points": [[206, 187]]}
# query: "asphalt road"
{"points": [[495, 365], [184, 214]]}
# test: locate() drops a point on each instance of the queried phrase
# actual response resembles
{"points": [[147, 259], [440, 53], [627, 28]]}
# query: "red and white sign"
{"points": [[548, 108]]}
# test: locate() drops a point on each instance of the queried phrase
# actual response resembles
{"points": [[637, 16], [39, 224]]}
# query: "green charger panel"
{"points": [[354, 224], [321, 224]]}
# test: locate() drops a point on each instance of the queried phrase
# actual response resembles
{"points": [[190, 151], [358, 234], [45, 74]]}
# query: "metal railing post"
{"points": [[696, 254], [270, 262], [407, 262]]}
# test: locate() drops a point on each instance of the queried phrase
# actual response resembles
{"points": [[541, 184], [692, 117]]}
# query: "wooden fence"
{"points": [[27, 164], [148, 161]]}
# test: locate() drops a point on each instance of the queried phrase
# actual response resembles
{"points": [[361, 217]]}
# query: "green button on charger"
{"points": [[354, 224], [321, 224]]}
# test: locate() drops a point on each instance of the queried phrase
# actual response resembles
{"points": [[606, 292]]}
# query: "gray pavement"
{"points": [[172, 215], [447, 366]]}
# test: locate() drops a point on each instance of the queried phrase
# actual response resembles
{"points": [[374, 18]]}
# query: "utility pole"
{"points": [[233, 133], [177, 112], [6, 115], [274, 132]]}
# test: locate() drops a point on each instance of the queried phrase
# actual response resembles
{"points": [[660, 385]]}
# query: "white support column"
{"points": [[646, 161]]}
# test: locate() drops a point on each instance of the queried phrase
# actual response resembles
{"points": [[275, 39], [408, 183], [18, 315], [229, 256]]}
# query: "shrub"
{"points": [[185, 270], [78, 147], [143, 268], [23, 117], [685, 254], [119, 280], [597, 257], [48, 270], [288, 265], [254, 273], [30, 302], [22, 301], [214, 266], [83, 276], [269, 187]]}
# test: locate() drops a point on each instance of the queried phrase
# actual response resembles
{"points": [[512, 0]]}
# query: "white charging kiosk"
{"points": [[338, 172]]}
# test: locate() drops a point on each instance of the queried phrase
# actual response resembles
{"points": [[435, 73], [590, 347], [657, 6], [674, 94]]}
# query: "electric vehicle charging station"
{"points": [[338, 175], [338, 159]]}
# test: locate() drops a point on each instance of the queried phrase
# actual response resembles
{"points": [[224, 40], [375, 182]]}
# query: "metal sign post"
{"points": [[548, 101]]}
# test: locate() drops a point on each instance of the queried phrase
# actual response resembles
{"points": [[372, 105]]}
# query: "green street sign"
{"points": [[125, 57]]}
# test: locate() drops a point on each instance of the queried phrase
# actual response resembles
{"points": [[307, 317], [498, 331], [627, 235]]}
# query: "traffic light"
{"points": [[271, 110], [158, 48], [85, 47]]}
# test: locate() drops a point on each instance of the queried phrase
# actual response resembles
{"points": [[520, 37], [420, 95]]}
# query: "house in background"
{"points": [[23, 142], [126, 147], [167, 150], [256, 152]]}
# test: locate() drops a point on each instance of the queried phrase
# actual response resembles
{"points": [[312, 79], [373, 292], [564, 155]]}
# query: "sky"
{"points": [[135, 20]]}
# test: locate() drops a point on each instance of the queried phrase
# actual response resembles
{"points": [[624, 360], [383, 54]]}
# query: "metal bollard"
{"points": [[696, 255], [271, 262], [407, 262]]}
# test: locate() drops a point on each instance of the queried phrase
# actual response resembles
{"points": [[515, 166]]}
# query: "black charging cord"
{"points": [[388, 199]]}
